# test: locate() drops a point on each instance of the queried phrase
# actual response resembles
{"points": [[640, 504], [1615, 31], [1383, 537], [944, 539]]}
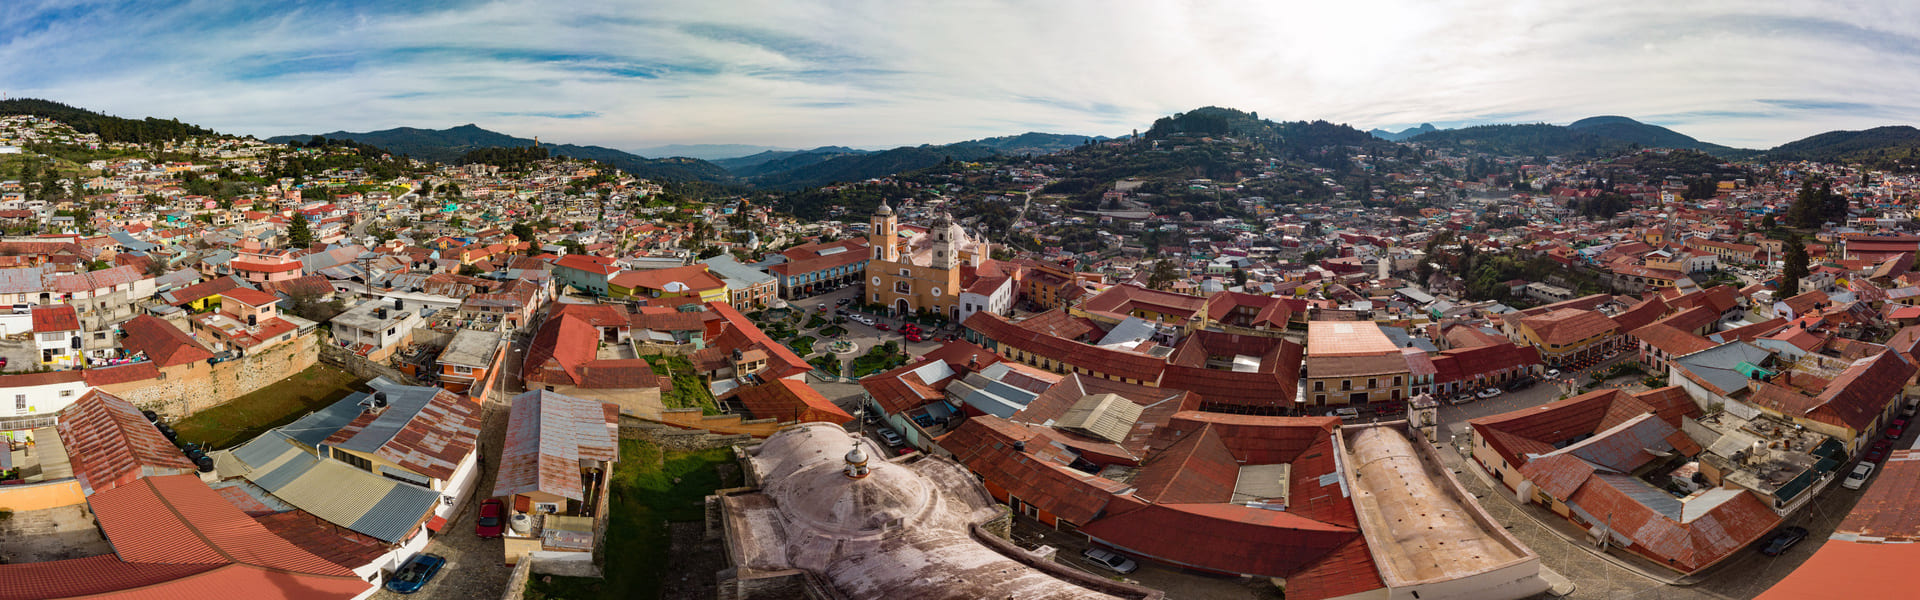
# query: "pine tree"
{"points": [[298, 234], [1796, 267]]}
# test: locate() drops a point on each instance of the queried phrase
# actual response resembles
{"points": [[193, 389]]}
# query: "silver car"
{"points": [[1110, 561]]}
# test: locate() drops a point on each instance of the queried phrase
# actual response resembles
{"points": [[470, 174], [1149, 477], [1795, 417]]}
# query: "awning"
{"points": [[434, 524]]}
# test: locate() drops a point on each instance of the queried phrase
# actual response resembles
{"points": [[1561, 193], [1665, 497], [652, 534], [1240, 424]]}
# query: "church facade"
{"points": [[910, 272]]}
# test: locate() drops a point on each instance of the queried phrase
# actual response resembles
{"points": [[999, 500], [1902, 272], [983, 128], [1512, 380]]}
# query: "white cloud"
{"points": [[803, 73]]}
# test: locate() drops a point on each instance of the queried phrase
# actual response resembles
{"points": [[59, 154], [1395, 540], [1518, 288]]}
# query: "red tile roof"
{"points": [[1686, 547], [254, 298], [1122, 300], [1864, 390], [986, 445], [176, 538], [1346, 571], [111, 444], [1565, 327], [55, 318], [1198, 469], [163, 343], [128, 373], [789, 400], [1225, 538], [592, 264]]}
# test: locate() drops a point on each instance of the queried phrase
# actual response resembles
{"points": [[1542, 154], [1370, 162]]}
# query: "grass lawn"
{"points": [[689, 388], [649, 490], [803, 345], [268, 407], [877, 360]]}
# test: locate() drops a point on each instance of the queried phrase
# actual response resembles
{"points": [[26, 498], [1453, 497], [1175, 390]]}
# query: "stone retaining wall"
{"points": [[360, 367], [673, 438], [183, 390]]}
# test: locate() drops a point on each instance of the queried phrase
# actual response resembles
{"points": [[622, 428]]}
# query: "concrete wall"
{"points": [[360, 367], [41, 496], [183, 390]]}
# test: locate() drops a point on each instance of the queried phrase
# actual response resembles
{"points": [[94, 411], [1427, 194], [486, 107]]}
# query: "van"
{"points": [[1347, 413]]}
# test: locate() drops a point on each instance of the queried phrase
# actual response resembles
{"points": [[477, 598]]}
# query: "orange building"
{"points": [[920, 273]]}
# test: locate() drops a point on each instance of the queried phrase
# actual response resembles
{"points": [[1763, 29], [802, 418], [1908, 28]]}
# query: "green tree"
{"points": [[1796, 267], [1239, 276], [1163, 274], [298, 234], [1767, 222]]}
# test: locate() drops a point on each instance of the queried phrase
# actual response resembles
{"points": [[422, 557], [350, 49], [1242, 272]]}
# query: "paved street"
{"points": [[474, 568]]}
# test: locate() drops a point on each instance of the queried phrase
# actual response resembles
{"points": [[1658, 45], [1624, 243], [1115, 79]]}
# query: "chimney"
{"points": [[253, 320]]}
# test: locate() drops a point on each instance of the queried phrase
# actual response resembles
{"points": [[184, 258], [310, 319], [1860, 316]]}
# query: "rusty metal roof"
{"points": [[110, 443], [547, 435]]}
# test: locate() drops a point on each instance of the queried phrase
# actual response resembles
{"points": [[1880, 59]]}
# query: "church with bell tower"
{"points": [[920, 269]]}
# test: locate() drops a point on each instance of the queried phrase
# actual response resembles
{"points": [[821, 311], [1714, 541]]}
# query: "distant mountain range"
{"points": [[710, 152], [1404, 134], [829, 164], [446, 145]]}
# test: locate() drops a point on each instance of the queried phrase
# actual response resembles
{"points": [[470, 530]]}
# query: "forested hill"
{"points": [[109, 128], [448, 145]]}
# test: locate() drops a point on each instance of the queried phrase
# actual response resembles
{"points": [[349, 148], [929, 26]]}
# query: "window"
{"points": [[353, 459], [1319, 386], [1346, 384], [1372, 383], [462, 370], [906, 273], [20, 403], [1396, 381]]}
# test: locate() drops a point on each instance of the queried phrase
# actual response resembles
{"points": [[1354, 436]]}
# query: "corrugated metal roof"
{"points": [[109, 443], [358, 500], [547, 435], [314, 428], [1106, 416], [403, 403]]}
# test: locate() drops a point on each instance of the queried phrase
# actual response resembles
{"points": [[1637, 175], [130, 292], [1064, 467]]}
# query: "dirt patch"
{"points": [[696, 561]]}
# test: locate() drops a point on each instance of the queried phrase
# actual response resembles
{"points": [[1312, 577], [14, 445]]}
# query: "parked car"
{"points": [[1858, 478], [1520, 384], [913, 337], [891, 437], [1347, 413], [1553, 372], [1489, 393], [1461, 399], [1908, 412], [413, 575], [1110, 561], [491, 520], [882, 327], [1896, 429], [842, 301], [1878, 452], [1782, 539]]}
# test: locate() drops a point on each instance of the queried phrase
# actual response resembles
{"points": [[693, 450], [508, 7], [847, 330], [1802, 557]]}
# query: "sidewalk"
{"points": [[1483, 486]]}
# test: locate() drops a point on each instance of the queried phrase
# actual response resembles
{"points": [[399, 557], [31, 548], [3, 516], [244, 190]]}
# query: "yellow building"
{"points": [[913, 273]]}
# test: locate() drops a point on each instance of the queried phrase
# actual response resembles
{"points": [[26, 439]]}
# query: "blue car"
{"points": [[416, 573]]}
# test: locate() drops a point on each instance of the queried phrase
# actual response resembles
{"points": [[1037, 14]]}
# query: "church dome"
{"points": [[824, 498], [884, 209]]}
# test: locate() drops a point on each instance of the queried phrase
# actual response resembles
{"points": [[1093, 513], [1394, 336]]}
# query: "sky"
{"points": [[805, 73]]}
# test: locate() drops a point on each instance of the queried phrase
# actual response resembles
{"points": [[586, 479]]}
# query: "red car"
{"points": [[1878, 452], [492, 520], [913, 337], [881, 326]]}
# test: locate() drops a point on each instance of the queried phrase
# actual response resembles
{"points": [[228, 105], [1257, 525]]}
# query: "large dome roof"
{"points": [[824, 498]]}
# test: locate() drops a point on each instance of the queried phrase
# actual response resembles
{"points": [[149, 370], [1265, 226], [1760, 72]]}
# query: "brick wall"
{"points": [[183, 390]]}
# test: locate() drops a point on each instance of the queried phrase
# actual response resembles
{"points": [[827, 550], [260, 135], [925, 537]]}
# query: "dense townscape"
{"points": [[1219, 357]]}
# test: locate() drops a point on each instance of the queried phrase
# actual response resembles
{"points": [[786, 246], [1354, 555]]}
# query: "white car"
{"points": [[1489, 393], [1861, 471], [1553, 372], [1110, 561]]}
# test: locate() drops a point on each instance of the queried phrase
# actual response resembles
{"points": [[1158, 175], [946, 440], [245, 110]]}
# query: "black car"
{"points": [[842, 301], [1520, 384], [1782, 539]]}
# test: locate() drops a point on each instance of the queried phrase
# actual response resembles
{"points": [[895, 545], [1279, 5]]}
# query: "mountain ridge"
{"points": [[447, 145]]}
